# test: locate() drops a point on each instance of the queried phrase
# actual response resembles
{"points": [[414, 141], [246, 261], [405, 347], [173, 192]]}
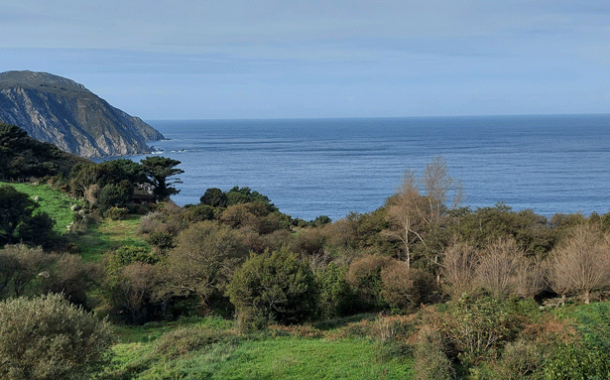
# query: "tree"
{"points": [[411, 213], [47, 338], [214, 197], [19, 266], [203, 261], [274, 286], [159, 169], [582, 263], [16, 219]]}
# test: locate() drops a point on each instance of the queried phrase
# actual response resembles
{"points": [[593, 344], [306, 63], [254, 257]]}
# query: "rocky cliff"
{"points": [[60, 111]]}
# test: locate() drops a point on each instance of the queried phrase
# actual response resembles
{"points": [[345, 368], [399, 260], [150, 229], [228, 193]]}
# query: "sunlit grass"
{"points": [[53, 202], [107, 234]]}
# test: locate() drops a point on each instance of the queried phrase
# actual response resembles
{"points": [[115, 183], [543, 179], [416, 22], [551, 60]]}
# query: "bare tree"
{"points": [[458, 267], [498, 266], [410, 212], [582, 263]]}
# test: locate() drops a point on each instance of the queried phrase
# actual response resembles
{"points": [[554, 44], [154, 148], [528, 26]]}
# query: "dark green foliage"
{"points": [[214, 197], [241, 195], [117, 180], [23, 157], [480, 324], [115, 195], [126, 255], [160, 239], [320, 221], [274, 286], [531, 231], [336, 297], [578, 362], [159, 169], [131, 283], [47, 338], [17, 222]]}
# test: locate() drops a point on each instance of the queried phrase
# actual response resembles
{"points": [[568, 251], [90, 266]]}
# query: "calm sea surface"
{"points": [[312, 167]]}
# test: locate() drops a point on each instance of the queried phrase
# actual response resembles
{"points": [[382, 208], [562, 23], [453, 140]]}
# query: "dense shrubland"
{"points": [[458, 290]]}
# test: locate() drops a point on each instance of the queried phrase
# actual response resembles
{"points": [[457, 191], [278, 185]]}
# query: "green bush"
{"points": [[431, 362], [163, 240], [117, 213], [47, 338], [336, 297], [274, 286], [118, 195], [480, 324]]}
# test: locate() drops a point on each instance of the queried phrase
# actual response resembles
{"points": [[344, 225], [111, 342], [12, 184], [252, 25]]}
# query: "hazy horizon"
{"points": [[320, 59]]}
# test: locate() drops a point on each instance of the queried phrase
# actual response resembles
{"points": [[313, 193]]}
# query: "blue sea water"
{"points": [[310, 167]]}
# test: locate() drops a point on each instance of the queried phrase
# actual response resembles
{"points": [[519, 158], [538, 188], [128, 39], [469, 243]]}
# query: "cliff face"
{"points": [[60, 111]]}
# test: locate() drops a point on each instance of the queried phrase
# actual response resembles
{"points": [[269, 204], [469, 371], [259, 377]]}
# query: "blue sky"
{"points": [[195, 59]]}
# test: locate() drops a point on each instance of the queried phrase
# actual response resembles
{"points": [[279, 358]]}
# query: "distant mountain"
{"points": [[60, 111]]}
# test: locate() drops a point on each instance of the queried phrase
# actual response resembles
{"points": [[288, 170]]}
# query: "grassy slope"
{"points": [[102, 236], [108, 234], [274, 354], [53, 202]]}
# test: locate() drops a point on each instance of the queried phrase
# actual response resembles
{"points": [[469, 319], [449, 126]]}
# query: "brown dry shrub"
{"points": [[240, 216], [458, 268], [92, 194], [364, 276], [407, 288], [581, 264], [498, 265], [150, 223]]}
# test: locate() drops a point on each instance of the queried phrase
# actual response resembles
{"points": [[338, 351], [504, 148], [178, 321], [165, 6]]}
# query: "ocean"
{"points": [[311, 167]]}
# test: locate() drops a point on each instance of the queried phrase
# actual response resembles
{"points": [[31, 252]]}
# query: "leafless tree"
{"points": [[458, 267], [410, 212], [582, 263], [498, 266]]}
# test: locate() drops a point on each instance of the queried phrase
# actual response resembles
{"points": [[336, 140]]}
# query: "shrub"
{"points": [[336, 297], [162, 240], [72, 277], [199, 213], [459, 265], [431, 362], [274, 286], [117, 213], [19, 267], [131, 292], [46, 338], [115, 195], [203, 261], [480, 324], [405, 288], [364, 276]]}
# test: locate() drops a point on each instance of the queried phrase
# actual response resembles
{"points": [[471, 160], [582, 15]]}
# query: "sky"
{"points": [[202, 59]]}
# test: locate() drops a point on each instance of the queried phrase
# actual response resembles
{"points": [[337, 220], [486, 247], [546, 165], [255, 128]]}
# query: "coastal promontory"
{"points": [[60, 111]]}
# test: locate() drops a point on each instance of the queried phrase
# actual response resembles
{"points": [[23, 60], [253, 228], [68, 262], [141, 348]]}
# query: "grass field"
{"points": [[53, 202], [108, 234], [211, 348]]}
